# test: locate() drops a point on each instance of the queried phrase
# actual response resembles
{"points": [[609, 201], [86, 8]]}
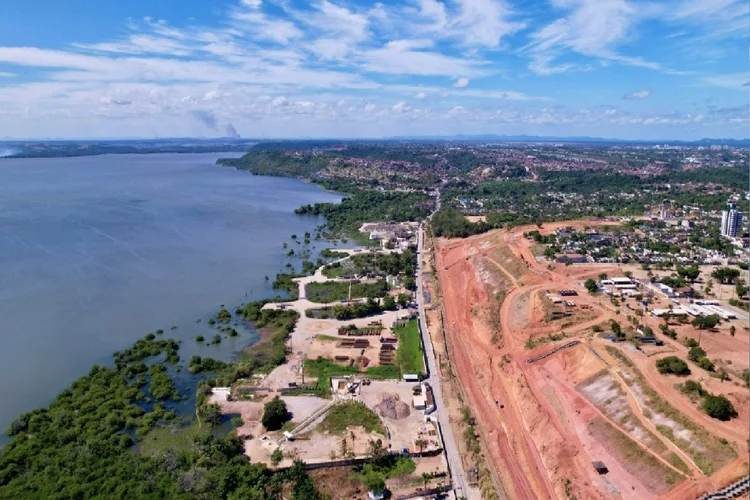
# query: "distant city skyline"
{"points": [[620, 69]]}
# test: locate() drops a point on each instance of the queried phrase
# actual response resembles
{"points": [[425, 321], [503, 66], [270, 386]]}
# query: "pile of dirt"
{"points": [[392, 407]]}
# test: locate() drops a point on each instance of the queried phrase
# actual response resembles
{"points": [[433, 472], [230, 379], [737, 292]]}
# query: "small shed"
{"points": [[600, 467], [419, 402], [411, 377]]}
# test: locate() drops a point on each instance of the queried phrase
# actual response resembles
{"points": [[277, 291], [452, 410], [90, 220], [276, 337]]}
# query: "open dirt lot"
{"points": [[299, 407], [403, 432], [573, 407]]}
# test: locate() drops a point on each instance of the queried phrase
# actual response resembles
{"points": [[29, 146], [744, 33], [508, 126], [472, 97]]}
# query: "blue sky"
{"points": [[672, 69]]}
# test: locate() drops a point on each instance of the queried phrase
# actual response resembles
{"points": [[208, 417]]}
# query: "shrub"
{"points": [[696, 353], [719, 407], [693, 387], [274, 414], [199, 338], [706, 364], [276, 457], [691, 342], [672, 364]]}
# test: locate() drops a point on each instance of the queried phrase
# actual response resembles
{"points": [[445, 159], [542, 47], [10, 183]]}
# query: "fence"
{"points": [[553, 351], [735, 490]]}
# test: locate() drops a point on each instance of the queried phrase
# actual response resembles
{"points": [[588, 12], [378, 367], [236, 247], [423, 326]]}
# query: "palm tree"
{"points": [[421, 443], [426, 479]]}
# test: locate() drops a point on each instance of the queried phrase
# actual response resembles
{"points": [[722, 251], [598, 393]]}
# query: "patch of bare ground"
{"points": [[504, 256], [495, 285], [520, 317], [339, 483], [654, 475], [607, 394], [708, 452]]}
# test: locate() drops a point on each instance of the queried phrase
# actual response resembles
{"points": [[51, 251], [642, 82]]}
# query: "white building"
{"points": [[731, 221]]}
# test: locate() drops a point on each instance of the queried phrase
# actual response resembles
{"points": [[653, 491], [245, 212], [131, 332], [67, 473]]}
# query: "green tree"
{"points": [[672, 364], [274, 414], [703, 322], [374, 481], [602, 276], [389, 303], [404, 299], [617, 329], [719, 407], [591, 285], [276, 457], [725, 274]]}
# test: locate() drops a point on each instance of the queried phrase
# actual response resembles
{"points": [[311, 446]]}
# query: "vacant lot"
{"points": [[606, 393], [657, 477], [333, 291], [409, 350], [708, 452]]}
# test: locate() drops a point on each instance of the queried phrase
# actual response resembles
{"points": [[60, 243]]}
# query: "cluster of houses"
{"points": [[392, 234], [649, 244]]}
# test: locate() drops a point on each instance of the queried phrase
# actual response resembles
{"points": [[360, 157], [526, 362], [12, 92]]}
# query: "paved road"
{"points": [[449, 443]]}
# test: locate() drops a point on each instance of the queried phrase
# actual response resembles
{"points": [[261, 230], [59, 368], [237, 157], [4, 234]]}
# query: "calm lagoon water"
{"points": [[95, 252]]}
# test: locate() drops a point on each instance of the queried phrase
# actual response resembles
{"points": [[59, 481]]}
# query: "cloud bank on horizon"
{"points": [[343, 68]]}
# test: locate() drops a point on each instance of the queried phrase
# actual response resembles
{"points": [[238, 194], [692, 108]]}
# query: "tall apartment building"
{"points": [[731, 221]]}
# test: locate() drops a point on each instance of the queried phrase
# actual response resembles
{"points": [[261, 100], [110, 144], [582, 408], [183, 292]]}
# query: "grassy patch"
{"points": [[504, 256], [350, 414], [409, 351], [552, 337], [323, 369], [708, 452], [333, 291], [338, 269], [384, 372], [327, 338], [163, 438]]}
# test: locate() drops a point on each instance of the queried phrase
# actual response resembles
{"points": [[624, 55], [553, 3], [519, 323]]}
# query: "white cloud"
{"points": [[593, 28], [735, 81], [456, 111], [635, 96], [434, 11], [6, 74], [461, 83], [421, 95], [408, 57], [485, 22], [711, 18], [253, 4], [401, 107]]}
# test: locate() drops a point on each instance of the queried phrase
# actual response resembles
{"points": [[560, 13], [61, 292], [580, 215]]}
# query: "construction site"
{"points": [[563, 407]]}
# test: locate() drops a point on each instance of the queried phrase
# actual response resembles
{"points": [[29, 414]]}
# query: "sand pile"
{"points": [[392, 407]]}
